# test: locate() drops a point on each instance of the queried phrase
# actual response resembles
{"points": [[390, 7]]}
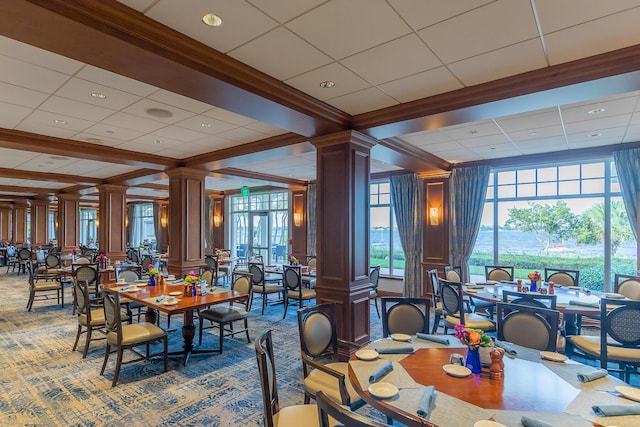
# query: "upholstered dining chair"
{"points": [[224, 265], [130, 276], [374, 278], [24, 257], [211, 261], [11, 258], [453, 308], [498, 272], [619, 340], [436, 303], [42, 290], [274, 414], [90, 318], [319, 349], [126, 337], [627, 285], [310, 282], [223, 316], [405, 315], [331, 412], [206, 274], [294, 291], [87, 273], [454, 274], [562, 276], [532, 300], [264, 284], [531, 327]]}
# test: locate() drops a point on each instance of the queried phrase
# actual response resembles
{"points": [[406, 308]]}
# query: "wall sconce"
{"points": [[217, 220], [297, 219], [163, 221], [434, 216], [97, 223]]}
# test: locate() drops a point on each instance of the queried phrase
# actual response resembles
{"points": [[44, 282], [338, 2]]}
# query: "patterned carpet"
{"points": [[44, 383]]}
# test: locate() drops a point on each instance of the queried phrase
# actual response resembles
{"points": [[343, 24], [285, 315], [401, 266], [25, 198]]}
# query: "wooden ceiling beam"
{"points": [[258, 176]]}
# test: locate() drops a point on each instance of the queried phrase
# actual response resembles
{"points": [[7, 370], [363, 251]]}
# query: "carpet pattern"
{"points": [[44, 383]]}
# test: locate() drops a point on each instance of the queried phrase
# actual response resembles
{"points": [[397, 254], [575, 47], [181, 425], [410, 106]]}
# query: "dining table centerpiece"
{"points": [[535, 278], [474, 339], [292, 260], [152, 272]]}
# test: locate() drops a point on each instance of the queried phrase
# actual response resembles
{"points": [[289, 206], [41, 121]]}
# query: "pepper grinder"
{"points": [[496, 370], [519, 285]]}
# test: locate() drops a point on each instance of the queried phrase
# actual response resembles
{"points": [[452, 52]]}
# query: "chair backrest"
{"points": [[242, 284], [405, 315], [82, 260], [498, 272], [627, 285], [82, 299], [128, 276], [24, 254], [453, 274], [112, 316], [11, 251], [241, 250], [374, 276], [619, 324], [146, 261], [317, 329], [52, 261], [206, 274], [532, 300], [133, 255], [211, 261], [86, 273], [312, 261], [281, 251], [327, 407], [267, 371], [562, 276], [531, 327], [292, 277], [257, 271], [451, 297], [435, 286]]}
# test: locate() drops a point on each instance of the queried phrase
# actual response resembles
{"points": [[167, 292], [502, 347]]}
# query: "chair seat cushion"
{"points": [[438, 309], [590, 344], [269, 289], [97, 318], [321, 381], [223, 314], [306, 294], [136, 333], [47, 286], [297, 416], [474, 321]]}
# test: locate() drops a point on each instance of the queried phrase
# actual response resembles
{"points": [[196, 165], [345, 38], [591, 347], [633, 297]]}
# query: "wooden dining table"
{"points": [[544, 390], [148, 295]]}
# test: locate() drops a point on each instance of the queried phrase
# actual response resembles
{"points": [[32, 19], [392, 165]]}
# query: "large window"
{"points": [[386, 249], [88, 229], [563, 216], [143, 232], [260, 226]]}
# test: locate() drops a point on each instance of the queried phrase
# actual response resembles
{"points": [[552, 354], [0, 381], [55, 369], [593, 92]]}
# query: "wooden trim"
{"points": [[258, 176]]}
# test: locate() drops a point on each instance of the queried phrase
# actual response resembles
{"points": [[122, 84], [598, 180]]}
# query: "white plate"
{"points": [[367, 354], [614, 295], [574, 288], [488, 423], [175, 293], [141, 285], [383, 390], [168, 302], [473, 291], [400, 337], [132, 289], [553, 356], [457, 370], [629, 392]]}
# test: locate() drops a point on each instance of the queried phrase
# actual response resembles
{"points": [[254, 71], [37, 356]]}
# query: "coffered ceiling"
{"points": [[105, 91]]}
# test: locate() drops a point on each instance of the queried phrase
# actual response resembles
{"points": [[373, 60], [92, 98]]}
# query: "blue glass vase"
{"points": [[473, 360], [152, 280], [534, 286]]}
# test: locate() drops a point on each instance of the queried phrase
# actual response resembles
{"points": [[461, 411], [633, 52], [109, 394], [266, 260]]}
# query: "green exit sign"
{"points": [[244, 191]]}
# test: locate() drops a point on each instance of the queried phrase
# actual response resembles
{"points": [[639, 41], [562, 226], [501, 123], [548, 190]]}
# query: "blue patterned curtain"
{"points": [[406, 196], [468, 194], [628, 166], [311, 219]]}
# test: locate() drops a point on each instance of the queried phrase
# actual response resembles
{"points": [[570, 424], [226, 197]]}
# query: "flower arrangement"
{"points": [[292, 259], [152, 269], [534, 276], [74, 250], [191, 277], [473, 338], [217, 251]]}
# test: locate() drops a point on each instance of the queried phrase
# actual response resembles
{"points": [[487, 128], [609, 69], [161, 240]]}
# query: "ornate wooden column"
{"points": [[343, 230], [68, 221], [19, 221], [39, 222], [299, 223], [5, 222], [186, 219], [112, 238]]}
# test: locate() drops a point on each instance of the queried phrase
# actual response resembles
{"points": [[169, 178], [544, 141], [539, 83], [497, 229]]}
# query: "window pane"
{"points": [[592, 186], [385, 199], [547, 174], [569, 187], [379, 236], [547, 189], [527, 190], [490, 192], [526, 176], [508, 177], [569, 172], [507, 191], [593, 170]]}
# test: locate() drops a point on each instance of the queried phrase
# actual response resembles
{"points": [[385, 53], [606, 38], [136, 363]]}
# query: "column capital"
{"points": [[187, 173], [350, 136], [69, 196], [40, 202], [112, 188]]}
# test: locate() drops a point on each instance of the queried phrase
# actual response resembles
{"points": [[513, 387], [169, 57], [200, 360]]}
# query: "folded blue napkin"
{"points": [[383, 370], [506, 347], [407, 349], [427, 403], [475, 287], [434, 338], [584, 303], [532, 422], [585, 377], [615, 410]]}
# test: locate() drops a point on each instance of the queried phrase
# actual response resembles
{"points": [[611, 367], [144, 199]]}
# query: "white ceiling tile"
{"points": [[241, 135], [141, 107], [608, 136], [489, 141], [538, 133], [422, 13], [556, 15], [632, 134], [481, 30], [457, 156], [96, 139], [473, 130], [45, 118], [283, 11], [212, 126], [69, 107], [345, 82], [543, 145], [30, 76], [11, 158], [11, 115], [110, 132], [214, 142], [594, 37], [594, 142], [530, 120], [363, 101], [180, 101], [598, 124], [399, 58], [281, 54], [178, 133], [17, 95], [356, 25], [132, 122], [116, 81], [81, 90], [241, 21], [580, 112], [427, 137], [265, 129], [422, 85], [37, 56], [228, 116], [499, 63]]}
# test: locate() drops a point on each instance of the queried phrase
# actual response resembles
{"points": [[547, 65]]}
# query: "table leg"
{"points": [[151, 316], [570, 324], [188, 333]]}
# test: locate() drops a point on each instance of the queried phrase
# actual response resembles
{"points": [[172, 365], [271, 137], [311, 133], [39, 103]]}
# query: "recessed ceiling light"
{"points": [[534, 133], [596, 111], [327, 84], [595, 135], [472, 132], [158, 141], [58, 158], [205, 125], [59, 122], [94, 140], [160, 113], [98, 95], [212, 20]]}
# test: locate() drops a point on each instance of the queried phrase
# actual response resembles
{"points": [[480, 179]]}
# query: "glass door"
{"points": [[259, 232]]}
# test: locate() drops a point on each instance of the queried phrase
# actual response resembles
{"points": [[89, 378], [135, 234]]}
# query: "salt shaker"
{"points": [[519, 285], [551, 288], [496, 372]]}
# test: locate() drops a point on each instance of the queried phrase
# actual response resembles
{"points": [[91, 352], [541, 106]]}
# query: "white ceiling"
{"points": [[379, 53]]}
